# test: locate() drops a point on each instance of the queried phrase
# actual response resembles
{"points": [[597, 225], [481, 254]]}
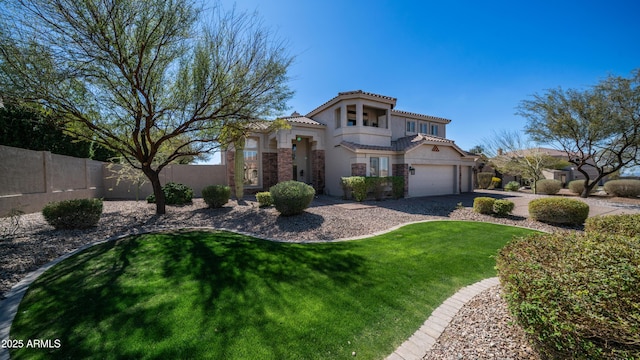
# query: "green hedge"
{"points": [[512, 186], [484, 179], [264, 199], [360, 187], [216, 196], [557, 210], [626, 224], [483, 205], [175, 194], [503, 207], [548, 186], [576, 295], [73, 214], [291, 197], [623, 188], [577, 186]]}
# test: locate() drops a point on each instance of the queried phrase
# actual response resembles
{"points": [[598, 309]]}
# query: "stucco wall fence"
{"points": [[31, 179]]}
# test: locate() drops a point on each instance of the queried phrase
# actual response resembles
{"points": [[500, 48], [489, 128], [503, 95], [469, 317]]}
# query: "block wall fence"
{"points": [[31, 179]]}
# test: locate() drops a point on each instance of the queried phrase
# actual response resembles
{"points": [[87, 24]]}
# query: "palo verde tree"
{"points": [[155, 81], [598, 127]]}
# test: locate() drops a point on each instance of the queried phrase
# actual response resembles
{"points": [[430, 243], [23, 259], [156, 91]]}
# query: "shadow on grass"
{"points": [[132, 290]]}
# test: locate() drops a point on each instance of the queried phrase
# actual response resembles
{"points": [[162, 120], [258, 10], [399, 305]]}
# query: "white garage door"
{"points": [[432, 180]]}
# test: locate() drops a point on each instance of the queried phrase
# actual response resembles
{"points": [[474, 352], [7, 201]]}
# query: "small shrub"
{"points": [[512, 186], [357, 185], [623, 188], [548, 186], [13, 224], [557, 210], [73, 214], [483, 205], [484, 179], [175, 194], [503, 207], [627, 225], [292, 197], [577, 186], [264, 198], [576, 295], [495, 182], [216, 196]]}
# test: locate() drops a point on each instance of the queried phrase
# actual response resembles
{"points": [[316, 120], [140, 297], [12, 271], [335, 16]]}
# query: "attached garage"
{"points": [[433, 180]]}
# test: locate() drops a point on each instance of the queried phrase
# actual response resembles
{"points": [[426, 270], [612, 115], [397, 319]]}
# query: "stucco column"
{"points": [[343, 115], [359, 111]]}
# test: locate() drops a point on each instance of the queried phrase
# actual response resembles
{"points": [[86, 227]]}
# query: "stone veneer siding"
{"points": [[269, 170], [402, 170], [285, 164], [359, 169], [317, 170]]}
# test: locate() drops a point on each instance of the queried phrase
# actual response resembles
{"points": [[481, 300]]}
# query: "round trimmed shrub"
{"points": [[548, 186], [577, 186], [291, 197], [577, 295], [483, 205], [626, 224], [174, 194], [216, 195], [264, 198], [503, 207], [557, 210], [512, 186], [73, 214], [623, 188]]}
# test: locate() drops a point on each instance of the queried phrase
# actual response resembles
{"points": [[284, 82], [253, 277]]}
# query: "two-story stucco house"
{"points": [[358, 133]]}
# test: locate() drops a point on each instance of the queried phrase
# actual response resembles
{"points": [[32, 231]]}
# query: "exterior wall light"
{"points": [[412, 170]]}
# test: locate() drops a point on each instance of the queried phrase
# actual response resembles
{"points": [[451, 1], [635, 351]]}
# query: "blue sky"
{"points": [[468, 61]]}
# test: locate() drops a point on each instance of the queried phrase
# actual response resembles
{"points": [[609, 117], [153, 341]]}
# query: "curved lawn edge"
{"points": [[9, 306]]}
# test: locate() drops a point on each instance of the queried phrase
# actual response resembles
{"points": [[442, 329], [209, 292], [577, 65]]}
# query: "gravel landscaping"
{"points": [[481, 328]]}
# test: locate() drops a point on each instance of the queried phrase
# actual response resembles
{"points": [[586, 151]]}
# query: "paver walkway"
{"points": [[423, 339]]}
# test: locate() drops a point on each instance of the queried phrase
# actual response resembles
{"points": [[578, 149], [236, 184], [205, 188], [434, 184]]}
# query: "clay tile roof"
{"points": [[385, 98], [301, 120], [369, 94], [353, 146], [409, 142], [403, 144], [422, 116]]}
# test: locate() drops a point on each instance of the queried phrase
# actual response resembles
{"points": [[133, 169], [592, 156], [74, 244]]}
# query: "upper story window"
{"points": [[411, 126], [434, 130], [351, 116], [424, 128]]}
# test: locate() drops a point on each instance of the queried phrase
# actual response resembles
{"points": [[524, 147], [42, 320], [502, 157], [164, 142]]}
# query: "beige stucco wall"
{"points": [[31, 179], [195, 176]]}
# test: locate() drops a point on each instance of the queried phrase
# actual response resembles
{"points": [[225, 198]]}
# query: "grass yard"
{"points": [[220, 295]]}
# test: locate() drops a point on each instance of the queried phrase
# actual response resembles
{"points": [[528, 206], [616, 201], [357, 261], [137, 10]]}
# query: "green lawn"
{"points": [[220, 295]]}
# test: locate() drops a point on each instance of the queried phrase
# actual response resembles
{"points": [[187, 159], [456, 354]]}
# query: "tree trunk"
{"points": [[154, 178], [239, 168]]}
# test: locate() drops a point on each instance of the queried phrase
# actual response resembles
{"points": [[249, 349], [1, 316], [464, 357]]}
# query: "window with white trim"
{"points": [[411, 126], [379, 166], [434, 130], [424, 127]]}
